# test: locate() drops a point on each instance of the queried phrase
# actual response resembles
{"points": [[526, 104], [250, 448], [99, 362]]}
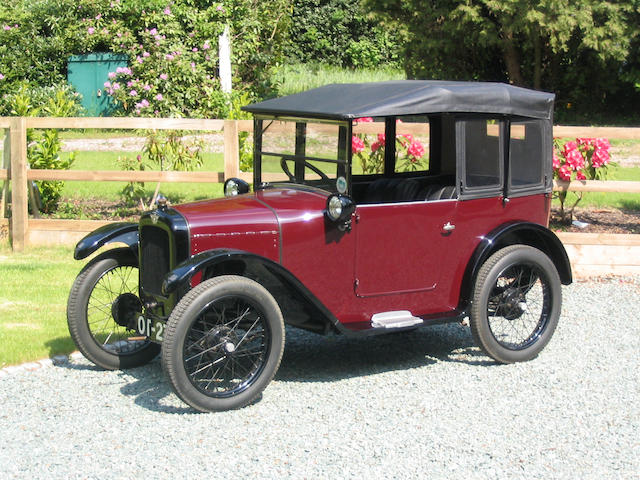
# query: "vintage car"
{"points": [[376, 208]]}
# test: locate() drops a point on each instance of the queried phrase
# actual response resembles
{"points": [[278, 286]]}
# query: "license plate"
{"points": [[152, 328]]}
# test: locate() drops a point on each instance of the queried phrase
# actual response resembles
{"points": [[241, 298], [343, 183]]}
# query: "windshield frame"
{"points": [[342, 160]]}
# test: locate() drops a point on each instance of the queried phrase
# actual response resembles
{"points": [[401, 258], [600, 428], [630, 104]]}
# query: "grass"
{"points": [[33, 302], [300, 77]]}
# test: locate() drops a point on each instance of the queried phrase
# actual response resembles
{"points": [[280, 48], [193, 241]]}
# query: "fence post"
{"points": [[231, 152], [19, 192], [6, 165]]}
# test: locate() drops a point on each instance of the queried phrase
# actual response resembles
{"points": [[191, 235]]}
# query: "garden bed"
{"points": [[599, 220]]}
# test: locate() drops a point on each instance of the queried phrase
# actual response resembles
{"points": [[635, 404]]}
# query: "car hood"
{"points": [[251, 222]]}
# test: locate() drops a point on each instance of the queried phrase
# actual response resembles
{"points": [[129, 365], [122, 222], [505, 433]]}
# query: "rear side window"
{"points": [[526, 156], [479, 143]]}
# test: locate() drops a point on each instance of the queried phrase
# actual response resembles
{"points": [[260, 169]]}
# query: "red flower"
{"points": [[575, 159], [376, 145], [556, 161], [569, 147], [363, 120], [415, 149], [357, 145], [581, 176], [602, 144], [382, 137], [600, 157], [585, 141], [564, 173]]}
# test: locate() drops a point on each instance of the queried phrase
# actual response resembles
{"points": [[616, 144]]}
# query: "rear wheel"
{"points": [[516, 304], [223, 343], [102, 310]]}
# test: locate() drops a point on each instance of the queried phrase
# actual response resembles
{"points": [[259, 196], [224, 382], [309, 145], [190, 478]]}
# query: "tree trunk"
{"points": [[511, 59]]}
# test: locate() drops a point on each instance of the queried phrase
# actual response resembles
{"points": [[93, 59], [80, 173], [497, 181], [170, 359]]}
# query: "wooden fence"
{"points": [[587, 252]]}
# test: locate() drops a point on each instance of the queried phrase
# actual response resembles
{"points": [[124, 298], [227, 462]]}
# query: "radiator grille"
{"points": [[155, 258]]}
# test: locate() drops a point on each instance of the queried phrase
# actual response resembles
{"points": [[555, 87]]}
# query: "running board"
{"points": [[397, 319]]}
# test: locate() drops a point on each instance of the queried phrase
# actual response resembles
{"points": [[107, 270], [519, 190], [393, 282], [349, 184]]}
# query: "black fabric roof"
{"points": [[408, 97]]}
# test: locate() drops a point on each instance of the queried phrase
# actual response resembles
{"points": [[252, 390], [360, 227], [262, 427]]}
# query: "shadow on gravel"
{"points": [[150, 388], [314, 358]]}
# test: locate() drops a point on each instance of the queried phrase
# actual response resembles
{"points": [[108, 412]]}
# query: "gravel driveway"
{"points": [[424, 404]]}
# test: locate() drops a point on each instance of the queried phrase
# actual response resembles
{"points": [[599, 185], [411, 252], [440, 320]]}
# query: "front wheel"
{"points": [[102, 309], [516, 304], [223, 343]]}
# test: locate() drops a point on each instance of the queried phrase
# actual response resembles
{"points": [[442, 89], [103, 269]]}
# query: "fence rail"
{"points": [[25, 231]]}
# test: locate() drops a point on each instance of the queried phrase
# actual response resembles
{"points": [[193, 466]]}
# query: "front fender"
{"points": [[198, 262], [122, 232]]}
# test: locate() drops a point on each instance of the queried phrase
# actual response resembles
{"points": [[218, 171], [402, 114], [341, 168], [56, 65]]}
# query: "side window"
{"points": [[526, 156], [480, 153]]}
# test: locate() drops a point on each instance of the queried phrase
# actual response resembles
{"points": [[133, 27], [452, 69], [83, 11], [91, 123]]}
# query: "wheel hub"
{"points": [[513, 305], [125, 310]]}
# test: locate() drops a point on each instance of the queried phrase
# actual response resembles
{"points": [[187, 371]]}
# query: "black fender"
{"points": [[526, 233], [247, 264], [122, 232]]}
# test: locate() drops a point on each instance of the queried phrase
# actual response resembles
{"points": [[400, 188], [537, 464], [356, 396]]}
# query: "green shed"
{"points": [[87, 73]]}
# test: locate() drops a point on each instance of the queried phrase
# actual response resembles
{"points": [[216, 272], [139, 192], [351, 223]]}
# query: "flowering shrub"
{"points": [[370, 154], [582, 159]]}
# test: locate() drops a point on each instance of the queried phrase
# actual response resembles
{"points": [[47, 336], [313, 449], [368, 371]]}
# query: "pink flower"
{"points": [[194, 49], [167, 11], [7, 27], [193, 66], [556, 161], [363, 120], [168, 56], [133, 93], [1, 76], [130, 83], [575, 159], [164, 76], [580, 175], [602, 144], [220, 8], [600, 158], [376, 145], [206, 45], [407, 136], [112, 75], [99, 16], [91, 30], [159, 97], [119, 35], [139, 59], [357, 145], [382, 138], [569, 146], [145, 54], [585, 141], [107, 84], [416, 149], [564, 172], [146, 88], [153, 31], [116, 86]]}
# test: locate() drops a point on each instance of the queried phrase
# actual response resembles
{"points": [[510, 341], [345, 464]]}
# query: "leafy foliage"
{"points": [[340, 32], [172, 47]]}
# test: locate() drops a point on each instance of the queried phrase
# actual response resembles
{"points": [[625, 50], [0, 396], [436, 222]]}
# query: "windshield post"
{"points": [[389, 145], [257, 152], [301, 147]]}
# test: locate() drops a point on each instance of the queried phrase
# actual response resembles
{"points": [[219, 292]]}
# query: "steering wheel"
{"points": [[313, 168]]}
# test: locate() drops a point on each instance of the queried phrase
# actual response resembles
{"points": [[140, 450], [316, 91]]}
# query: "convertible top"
{"points": [[408, 97]]}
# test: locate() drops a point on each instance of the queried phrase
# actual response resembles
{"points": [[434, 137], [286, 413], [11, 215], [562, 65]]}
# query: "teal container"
{"points": [[87, 73]]}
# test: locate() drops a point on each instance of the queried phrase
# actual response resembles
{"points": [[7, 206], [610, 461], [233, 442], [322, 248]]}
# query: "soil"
{"points": [[599, 220]]}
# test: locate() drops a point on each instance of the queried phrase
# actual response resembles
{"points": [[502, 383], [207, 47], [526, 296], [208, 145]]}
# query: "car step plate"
{"points": [[397, 319]]}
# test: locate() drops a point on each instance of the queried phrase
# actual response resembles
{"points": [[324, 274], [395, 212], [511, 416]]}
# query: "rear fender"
{"points": [[121, 232], [524, 233]]}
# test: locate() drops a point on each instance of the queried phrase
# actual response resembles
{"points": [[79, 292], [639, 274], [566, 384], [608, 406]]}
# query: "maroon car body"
{"points": [[334, 245]]}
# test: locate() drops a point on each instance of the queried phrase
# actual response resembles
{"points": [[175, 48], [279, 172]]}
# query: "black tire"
{"points": [[517, 298], [223, 343], [107, 285]]}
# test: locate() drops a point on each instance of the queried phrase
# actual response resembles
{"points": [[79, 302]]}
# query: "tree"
{"points": [[525, 34]]}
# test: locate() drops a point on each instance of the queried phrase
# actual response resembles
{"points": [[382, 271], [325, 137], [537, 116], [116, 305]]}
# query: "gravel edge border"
{"points": [[39, 364]]}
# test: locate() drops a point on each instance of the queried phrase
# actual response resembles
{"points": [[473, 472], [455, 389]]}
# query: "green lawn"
{"points": [[33, 301]]}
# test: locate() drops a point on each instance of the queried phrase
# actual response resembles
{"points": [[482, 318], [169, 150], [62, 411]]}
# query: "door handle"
{"points": [[448, 227]]}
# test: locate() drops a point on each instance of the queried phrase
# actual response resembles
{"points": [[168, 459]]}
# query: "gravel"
{"points": [[423, 404]]}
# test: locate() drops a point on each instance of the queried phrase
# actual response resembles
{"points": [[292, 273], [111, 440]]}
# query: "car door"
{"points": [[402, 247]]}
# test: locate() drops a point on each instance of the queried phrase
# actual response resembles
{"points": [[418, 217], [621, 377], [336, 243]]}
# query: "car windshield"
{"points": [[302, 151]]}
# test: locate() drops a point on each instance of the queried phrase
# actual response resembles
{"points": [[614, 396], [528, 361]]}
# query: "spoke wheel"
{"points": [[516, 304], [102, 309], [223, 343]]}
